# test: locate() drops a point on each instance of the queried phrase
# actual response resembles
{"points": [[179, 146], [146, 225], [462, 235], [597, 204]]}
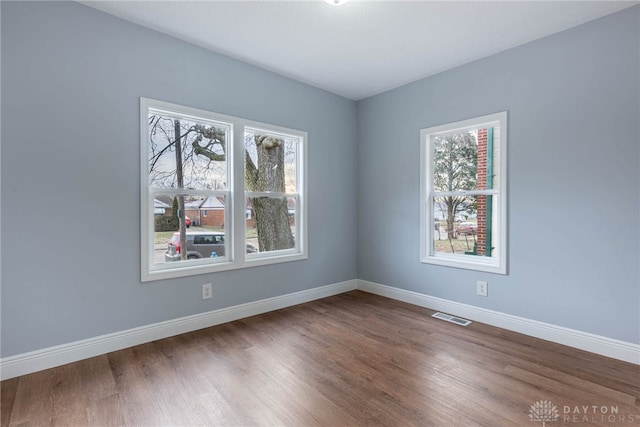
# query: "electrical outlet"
{"points": [[482, 288], [207, 291]]}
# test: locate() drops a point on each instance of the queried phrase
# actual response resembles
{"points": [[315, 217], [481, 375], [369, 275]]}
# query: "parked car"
{"points": [[467, 228], [199, 245]]}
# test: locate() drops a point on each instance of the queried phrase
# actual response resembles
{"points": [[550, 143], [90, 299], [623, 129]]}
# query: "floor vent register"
{"points": [[452, 319]]}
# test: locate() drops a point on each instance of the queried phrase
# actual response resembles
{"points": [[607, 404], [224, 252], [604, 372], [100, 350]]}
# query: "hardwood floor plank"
{"points": [[577, 383], [78, 387], [8, 390], [150, 388], [187, 360], [33, 404], [353, 359]]}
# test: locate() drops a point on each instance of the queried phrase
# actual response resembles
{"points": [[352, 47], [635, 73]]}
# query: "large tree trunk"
{"points": [[271, 214], [272, 223]]}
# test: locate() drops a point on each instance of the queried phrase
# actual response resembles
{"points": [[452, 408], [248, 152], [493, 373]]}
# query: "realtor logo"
{"points": [[545, 411]]}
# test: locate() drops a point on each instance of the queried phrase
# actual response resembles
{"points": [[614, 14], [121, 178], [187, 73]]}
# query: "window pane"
{"points": [[205, 236], [201, 160], [466, 160], [167, 212], [465, 225], [208, 212], [271, 226], [270, 162]]}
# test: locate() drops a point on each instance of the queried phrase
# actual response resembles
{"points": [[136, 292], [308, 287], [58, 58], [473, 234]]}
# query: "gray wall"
{"points": [[573, 102], [71, 80]]}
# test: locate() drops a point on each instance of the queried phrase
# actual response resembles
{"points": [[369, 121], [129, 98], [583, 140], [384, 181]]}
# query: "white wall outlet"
{"points": [[482, 288], [207, 291]]}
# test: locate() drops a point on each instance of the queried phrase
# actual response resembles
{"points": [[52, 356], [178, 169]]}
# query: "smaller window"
{"points": [[463, 194], [204, 213]]}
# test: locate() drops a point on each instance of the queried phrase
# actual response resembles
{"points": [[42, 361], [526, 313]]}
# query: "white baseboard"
{"points": [[38, 360], [604, 346]]}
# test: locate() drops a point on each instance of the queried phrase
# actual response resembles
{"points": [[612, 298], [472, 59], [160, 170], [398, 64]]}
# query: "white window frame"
{"points": [[428, 254], [257, 258], [235, 229]]}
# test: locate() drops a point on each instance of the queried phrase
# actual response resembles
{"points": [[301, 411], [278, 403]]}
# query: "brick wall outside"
{"points": [[214, 218], [482, 185]]}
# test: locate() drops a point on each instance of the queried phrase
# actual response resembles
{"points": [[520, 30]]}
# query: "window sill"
{"points": [[487, 264], [195, 268]]}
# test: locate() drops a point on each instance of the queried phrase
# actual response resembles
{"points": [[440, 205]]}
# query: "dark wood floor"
{"points": [[351, 359]]}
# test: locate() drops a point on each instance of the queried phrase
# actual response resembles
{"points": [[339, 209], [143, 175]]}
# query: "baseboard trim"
{"points": [[604, 346], [50, 357]]}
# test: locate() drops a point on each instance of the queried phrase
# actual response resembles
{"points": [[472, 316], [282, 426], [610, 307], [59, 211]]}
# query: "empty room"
{"points": [[320, 213]]}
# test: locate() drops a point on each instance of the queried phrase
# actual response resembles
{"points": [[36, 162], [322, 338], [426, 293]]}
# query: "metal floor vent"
{"points": [[452, 319]]}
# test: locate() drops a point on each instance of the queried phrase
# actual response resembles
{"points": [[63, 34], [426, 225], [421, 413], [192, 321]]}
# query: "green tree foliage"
{"points": [[174, 211], [168, 222]]}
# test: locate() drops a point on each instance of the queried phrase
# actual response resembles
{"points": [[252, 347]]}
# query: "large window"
{"points": [[218, 192], [464, 194]]}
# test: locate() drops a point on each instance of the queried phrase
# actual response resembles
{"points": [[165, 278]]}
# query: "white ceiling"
{"points": [[361, 48]]}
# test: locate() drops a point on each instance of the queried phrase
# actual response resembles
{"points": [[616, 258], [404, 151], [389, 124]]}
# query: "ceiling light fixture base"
{"points": [[336, 2]]}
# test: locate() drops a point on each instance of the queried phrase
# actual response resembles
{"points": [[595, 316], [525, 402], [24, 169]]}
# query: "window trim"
{"points": [[235, 234], [427, 253]]}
